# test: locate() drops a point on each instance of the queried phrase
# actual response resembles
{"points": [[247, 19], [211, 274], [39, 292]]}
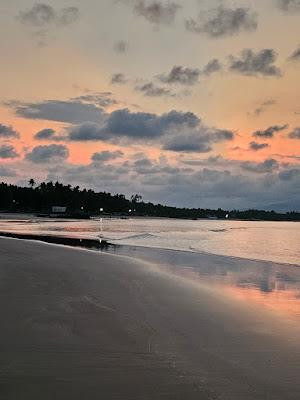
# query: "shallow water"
{"points": [[255, 262], [258, 240]]}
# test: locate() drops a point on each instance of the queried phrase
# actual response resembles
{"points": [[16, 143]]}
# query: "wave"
{"points": [[138, 236]]}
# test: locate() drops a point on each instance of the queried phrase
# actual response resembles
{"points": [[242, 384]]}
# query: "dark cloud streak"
{"points": [[260, 63], [157, 12], [223, 21], [269, 132]]}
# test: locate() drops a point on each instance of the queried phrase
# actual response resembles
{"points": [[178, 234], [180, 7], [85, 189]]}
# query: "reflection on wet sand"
{"points": [[273, 286]]}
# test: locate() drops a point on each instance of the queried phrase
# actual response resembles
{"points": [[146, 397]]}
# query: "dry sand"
{"points": [[81, 325]]}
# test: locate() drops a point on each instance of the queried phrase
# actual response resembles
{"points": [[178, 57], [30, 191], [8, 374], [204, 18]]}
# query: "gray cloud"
{"points": [[295, 56], [258, 146], [268, 165], [199, 140], [152, 90], [8, 151], [263, 107], [223, 21], [218, 135], [189, 143], [7, 172], [50, 134], [181, 75], [46, 154], [88, 131], [289, 174], [139, 125], [289, 5], [101, 99], [255, 64], [212, 67], [157, 12], [45, 134], [104, 156], [124, 122], [145, 166], [56, 110], [295, 134], [269, 132], [42, 15], [121, 47], [175, 131], [158, 181], [7, 132], [119, 79]]}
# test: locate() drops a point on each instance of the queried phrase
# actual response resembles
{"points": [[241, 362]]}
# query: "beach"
{"points": [[79, 324]]}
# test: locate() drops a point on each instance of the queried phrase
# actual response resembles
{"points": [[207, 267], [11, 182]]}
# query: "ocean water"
{"points": [[255, 240]]}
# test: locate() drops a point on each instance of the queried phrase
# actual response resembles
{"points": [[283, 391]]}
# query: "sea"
{"points": [[252, 261], [258, 240]]}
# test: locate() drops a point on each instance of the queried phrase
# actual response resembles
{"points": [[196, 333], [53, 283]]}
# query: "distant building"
{"points": [[58, 210]]}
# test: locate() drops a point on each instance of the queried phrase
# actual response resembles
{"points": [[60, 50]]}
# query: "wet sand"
{"points": [[80, 325]]}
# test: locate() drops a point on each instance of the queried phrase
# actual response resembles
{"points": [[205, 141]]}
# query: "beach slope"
{"points": [[81, 325]]}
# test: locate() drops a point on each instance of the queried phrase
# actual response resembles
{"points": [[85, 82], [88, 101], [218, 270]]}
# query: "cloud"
{"points": [[7, 132], [8, 151], [255, 64], [289, 174], [147, 125], [121, 47], [46, 154], [157, 12], [145, 166], [199, 140], [44, 134], [258, 146], [175, 131], [72, 111], [42, 15], [219, 135], [119, 79], [88, 131], [7, 172], [181, 75], [223, 21], [189, 143], [189, 186], [268, 165], [295, 134], [50, 134], [295, 56], [289, 5], [269, 132], [263, 107], [152, 90], [212, 67], [101, 99], [134, 125], [104, 156]]}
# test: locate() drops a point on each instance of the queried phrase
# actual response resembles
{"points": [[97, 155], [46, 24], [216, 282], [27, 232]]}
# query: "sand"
{"points": [[76, 324]]}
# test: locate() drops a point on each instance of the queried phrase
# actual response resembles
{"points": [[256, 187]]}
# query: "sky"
{"points": [[192, 103]]}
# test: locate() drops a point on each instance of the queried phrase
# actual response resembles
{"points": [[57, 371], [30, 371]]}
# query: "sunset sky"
{"points": [[191, 103]]}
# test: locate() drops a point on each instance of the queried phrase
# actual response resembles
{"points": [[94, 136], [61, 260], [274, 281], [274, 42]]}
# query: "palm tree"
{"points": [[31, 182]]}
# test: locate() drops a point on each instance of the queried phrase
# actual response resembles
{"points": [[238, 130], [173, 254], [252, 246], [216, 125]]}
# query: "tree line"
{"points": [[41, 198]]}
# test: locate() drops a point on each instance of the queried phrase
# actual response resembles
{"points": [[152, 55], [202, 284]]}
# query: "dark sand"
{"points": [[81, 325]]}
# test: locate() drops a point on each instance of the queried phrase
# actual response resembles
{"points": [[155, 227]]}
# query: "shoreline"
{"points": [[79, 324], [130, 216], [105, 245]]}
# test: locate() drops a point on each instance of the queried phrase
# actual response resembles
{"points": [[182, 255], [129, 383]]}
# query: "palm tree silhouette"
{"points": [[31, 182]]}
